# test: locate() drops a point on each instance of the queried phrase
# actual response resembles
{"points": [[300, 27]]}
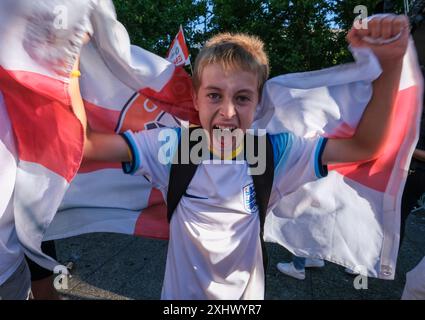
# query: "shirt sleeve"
{"points": [[297, 161], [151, 153]]}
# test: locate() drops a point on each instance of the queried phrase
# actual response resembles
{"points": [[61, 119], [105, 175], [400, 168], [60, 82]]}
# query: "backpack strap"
{"points": [[180, 176], [263, 183], [263, 186]]}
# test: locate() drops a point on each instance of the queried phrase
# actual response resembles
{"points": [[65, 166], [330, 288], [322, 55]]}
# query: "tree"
{"points": [[152, 24], [299, 35]]}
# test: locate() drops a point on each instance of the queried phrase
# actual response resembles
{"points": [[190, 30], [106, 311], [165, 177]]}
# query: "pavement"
{"points": [[120, 267]]}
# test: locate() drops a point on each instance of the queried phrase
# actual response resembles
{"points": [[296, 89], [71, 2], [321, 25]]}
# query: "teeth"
{"points": [[223, 128]]}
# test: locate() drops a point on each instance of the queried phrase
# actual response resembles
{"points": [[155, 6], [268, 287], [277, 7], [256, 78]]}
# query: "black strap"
{"points": [[181, 175], [263, 186]]}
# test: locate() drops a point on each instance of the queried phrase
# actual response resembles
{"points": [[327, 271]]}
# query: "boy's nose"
{"points": [[228, 110]]}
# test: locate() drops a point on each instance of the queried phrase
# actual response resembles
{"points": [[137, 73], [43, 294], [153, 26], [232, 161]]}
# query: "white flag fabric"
{"points": [[352, 217]]}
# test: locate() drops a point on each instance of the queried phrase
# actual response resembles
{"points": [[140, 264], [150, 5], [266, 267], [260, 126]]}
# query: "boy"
{"points": [[215, 249]]}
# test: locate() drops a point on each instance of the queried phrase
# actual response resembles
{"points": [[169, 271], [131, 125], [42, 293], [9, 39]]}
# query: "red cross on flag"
{"points": [[178, 53]]}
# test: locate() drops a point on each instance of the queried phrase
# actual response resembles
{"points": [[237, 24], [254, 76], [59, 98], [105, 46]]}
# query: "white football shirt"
{"points": [[214, 250]]}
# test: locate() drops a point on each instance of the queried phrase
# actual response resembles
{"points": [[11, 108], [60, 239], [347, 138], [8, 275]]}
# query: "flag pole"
{"points": [[190, 63]]}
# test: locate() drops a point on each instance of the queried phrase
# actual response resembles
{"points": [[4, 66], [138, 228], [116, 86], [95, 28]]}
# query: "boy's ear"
{"points": [[195, 100]]}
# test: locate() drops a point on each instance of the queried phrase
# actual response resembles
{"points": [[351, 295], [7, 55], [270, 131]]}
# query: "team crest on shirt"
{"points": [[249, 199]]}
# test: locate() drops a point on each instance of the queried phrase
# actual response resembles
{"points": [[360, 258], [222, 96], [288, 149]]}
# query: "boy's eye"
{"points": [[213, 96], [243, 99]]}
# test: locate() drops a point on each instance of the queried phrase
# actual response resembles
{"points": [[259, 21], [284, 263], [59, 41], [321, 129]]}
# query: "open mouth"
{"points": [[226, 137], [224, 128]]}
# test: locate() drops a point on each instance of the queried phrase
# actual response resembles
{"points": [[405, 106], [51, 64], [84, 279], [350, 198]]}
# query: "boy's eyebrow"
{"points": [[212, 88], [249, 91]]}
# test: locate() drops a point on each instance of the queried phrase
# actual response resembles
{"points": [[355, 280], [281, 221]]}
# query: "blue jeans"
{"points": [[299, 262]]}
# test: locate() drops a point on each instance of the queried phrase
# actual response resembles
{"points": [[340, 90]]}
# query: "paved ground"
{"points": [[112, 266]]}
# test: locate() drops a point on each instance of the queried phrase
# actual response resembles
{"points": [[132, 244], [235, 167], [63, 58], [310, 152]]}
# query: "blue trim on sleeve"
{"points": [[179, 133], [131, 167], [176, 146], [320, 169], [281, 143]]}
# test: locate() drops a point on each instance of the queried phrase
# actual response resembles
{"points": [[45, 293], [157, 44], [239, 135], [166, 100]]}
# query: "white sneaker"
{"points": [[289, 270], [314, 263]]}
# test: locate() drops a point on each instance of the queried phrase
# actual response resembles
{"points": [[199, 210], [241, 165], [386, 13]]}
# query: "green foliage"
{"points": [[152, 24], [299, 35]]}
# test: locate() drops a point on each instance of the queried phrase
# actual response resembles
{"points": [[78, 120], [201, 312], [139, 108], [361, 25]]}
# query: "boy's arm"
{"points": [[374, 125], [97, 146]]}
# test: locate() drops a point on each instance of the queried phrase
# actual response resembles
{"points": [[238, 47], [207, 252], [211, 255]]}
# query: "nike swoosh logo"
{"points": [[194, 197]]}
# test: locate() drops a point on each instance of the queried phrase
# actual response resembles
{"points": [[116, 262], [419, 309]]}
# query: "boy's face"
{"points": [[226, 101]]}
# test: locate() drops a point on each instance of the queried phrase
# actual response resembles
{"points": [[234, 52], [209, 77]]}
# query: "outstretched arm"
{"points": [[97, 146], [374, 125]]}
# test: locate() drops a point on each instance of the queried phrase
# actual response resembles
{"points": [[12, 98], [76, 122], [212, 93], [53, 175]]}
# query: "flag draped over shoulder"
{"points": [[351, 217]]}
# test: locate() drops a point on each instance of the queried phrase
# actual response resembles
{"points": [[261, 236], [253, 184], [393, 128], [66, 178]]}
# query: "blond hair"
{"points": [[233, 52]]}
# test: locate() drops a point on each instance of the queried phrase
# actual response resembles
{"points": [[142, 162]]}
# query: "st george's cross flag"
{"points": [[43, 142], [178, 53]]}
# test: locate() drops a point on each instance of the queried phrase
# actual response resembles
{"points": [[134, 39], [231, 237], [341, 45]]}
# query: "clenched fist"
{"points": [[387, 35]]}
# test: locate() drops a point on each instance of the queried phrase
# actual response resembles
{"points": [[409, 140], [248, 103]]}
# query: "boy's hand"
{"points": [[86, 39], [380, 29], [76, 67]]}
